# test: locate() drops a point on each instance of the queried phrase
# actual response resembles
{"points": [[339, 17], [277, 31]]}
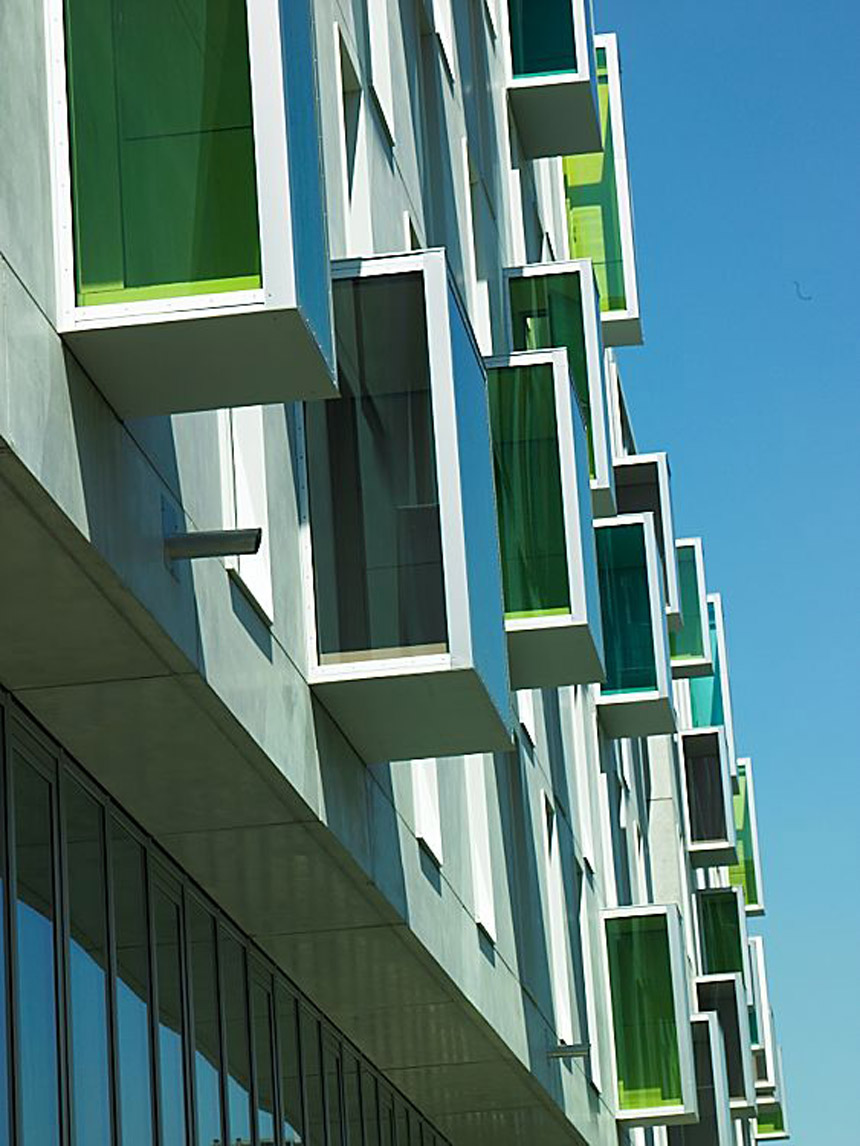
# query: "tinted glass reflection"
{"points": [[237, 1037], [291, 1079], [170, 1024], [261, 1006], [207, 1033]]}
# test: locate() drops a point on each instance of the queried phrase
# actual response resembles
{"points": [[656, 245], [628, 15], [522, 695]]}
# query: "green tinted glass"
{"points": [[772, 1122], [163, 170], [643, 1013], [687, 644], [625, 606], [546, 313], [528, 491], [706, 692], [722, 950], [591, 195], [542, 37], [743, 873]]}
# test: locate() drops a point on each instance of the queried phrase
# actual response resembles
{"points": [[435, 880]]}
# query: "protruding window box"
{"points": [[726, 997], [599, 209], [710, 820], [552, 85], [635, 699], [714, 1127], [651, 1040], [723, 944], [746, 872], [408, 653], [689, 645], [772, 1111], [622, 439], [191, 245], [643, 485], [549, 564], [553, 305], [710, 701], [762, 1029]]}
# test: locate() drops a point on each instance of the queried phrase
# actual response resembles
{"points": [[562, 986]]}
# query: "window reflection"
{"points": [[170, 1026], [291, 1081], [207, 1036], [35, 914], [312, 1071], [261, 1006], [238, 1049], [134, 1066], [88, 969], [333, 1090]]}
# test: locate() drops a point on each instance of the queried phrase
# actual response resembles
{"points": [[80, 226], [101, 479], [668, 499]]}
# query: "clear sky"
{"points": [[743, 128]]}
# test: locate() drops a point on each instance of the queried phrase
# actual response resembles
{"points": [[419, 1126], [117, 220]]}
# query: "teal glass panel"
{"points": [[643, 1013], [35, 917], [686, 644], [625, 607], [88, 969], [374, 499], [743, 873], [207, 1027], [591, 198], [528, 491], [706, 692], [755, 1035], [163, 170], [543, 39], [134, 1054], [722, 950]]}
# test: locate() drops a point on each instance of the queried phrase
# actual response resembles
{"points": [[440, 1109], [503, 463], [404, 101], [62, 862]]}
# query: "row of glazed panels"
{"points": [[451, 505], [132, 1012], [179, 201]]}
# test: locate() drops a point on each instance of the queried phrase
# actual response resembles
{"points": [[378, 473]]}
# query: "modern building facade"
{"points": [[368, 768]]}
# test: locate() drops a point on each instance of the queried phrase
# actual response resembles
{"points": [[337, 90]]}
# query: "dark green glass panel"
{"points": [[238, 1037], [528, 491], [208, 1070], [706, 692], [543, 40], [771, 1123], [705, 798], [374, 499], [593, 216], [292, 1115], [755, 1037], [743, 873], [625, 608], [264, 1061], [163, 169], [643, 1013], [722, 951], [687, 642], [312, 1073]]}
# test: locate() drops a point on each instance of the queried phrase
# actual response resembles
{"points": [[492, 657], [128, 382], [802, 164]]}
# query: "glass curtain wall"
{"points": [[528, 491], [643, 1013], [164, 184], [625, 605], [686, 643], [722, 945], [374, 500], [543, 39], [743, 873], [172, 1019], [591, 197]]}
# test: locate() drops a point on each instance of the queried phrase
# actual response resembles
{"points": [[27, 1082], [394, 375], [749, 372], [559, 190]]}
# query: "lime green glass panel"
{"points": [[546, 313], [722, 950], [771, 1123], [543, 40], [591, 195], [687, 644], [528, 491], [743, 873], [643, 1013], [625, 606], [163, 173], [706, 692]]}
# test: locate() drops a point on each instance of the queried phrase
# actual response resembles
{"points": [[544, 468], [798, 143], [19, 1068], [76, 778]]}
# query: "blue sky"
{"points": [[743, 125]]}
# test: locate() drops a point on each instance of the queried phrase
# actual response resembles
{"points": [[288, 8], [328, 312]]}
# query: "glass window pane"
{"points": [[386, 1117], [291, 1080], [373, 492], [207, 1029], [352, 1099], [625, 606], [312, 1071], [4, 1018], [88, 969], [37, 989], [134, 1055], [542, 37], [264, 1057], [370, 1108], [706, 692], [333, 1090], [643, 1013], [722, 951], [171, 1028], [705, 795], [528, 491], [591, 193], [546, 313], [743, 873], [163, 169], [687, 642], [238, 1036]]}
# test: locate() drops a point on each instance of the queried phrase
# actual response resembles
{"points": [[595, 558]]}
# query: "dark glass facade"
{"points": [[133, 1004]]}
